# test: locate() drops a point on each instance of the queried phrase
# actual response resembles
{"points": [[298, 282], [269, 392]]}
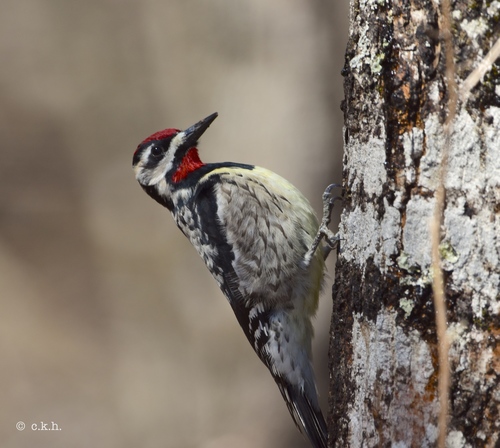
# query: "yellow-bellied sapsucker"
{"points": [[260, 239]]}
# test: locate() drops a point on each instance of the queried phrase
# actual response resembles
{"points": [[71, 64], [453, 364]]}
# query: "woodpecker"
{"points": [[260, 239]]}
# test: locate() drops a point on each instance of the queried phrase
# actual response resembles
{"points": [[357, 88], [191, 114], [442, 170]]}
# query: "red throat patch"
{"points": [[191, 162]]}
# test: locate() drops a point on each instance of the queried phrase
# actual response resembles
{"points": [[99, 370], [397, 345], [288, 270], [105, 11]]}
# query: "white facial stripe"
{"points": [[177, 141]]}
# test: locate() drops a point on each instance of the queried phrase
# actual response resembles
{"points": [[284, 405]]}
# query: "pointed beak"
{"points": [[192, 134]]}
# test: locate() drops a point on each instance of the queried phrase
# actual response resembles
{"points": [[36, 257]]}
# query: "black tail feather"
{"points": [[307, 416]]}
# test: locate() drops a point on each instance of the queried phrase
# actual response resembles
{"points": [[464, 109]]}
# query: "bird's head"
{"points": [[170, 154], [167, 157]]}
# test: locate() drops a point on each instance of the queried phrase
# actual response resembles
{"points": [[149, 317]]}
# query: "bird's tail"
{"points": [[306, 414]]}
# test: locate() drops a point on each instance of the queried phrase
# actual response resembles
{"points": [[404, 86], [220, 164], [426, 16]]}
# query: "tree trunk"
{"points": [[384, 347]]}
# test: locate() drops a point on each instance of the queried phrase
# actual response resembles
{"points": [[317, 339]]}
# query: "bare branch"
{"points": [[477, 74]]}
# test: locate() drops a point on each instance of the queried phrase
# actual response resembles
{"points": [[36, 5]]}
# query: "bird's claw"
{"points": [[324, 232]]}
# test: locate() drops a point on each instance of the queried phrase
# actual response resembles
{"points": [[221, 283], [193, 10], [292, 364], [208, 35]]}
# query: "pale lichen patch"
{"points": [[416, 235], [413, 143], [390, 231], [407, 306], [358, 233], [380, 349], [363, 236], [494, 8], [474, 28], [367, 160], [456, 439], [464, 170]]}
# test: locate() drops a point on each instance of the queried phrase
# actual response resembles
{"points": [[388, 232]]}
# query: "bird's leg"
{"points": [[323, 231]]}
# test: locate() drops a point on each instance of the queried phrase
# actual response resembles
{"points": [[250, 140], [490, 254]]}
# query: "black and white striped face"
{"points": [[167, 157], [156, 155]]}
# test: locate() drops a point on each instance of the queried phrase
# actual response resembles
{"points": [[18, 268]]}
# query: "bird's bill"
{"points": [[193, 133]]}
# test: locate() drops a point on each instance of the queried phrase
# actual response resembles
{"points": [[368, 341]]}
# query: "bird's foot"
{"points": [[331, 239]]}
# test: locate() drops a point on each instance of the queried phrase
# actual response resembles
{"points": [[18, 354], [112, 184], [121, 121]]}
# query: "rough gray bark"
{"points": [[383, 348]]}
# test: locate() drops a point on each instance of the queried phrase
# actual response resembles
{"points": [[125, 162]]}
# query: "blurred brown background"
{"points": [[110, 324]]}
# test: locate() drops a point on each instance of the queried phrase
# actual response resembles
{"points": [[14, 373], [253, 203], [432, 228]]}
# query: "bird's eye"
{"points": [[156, 151]]}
